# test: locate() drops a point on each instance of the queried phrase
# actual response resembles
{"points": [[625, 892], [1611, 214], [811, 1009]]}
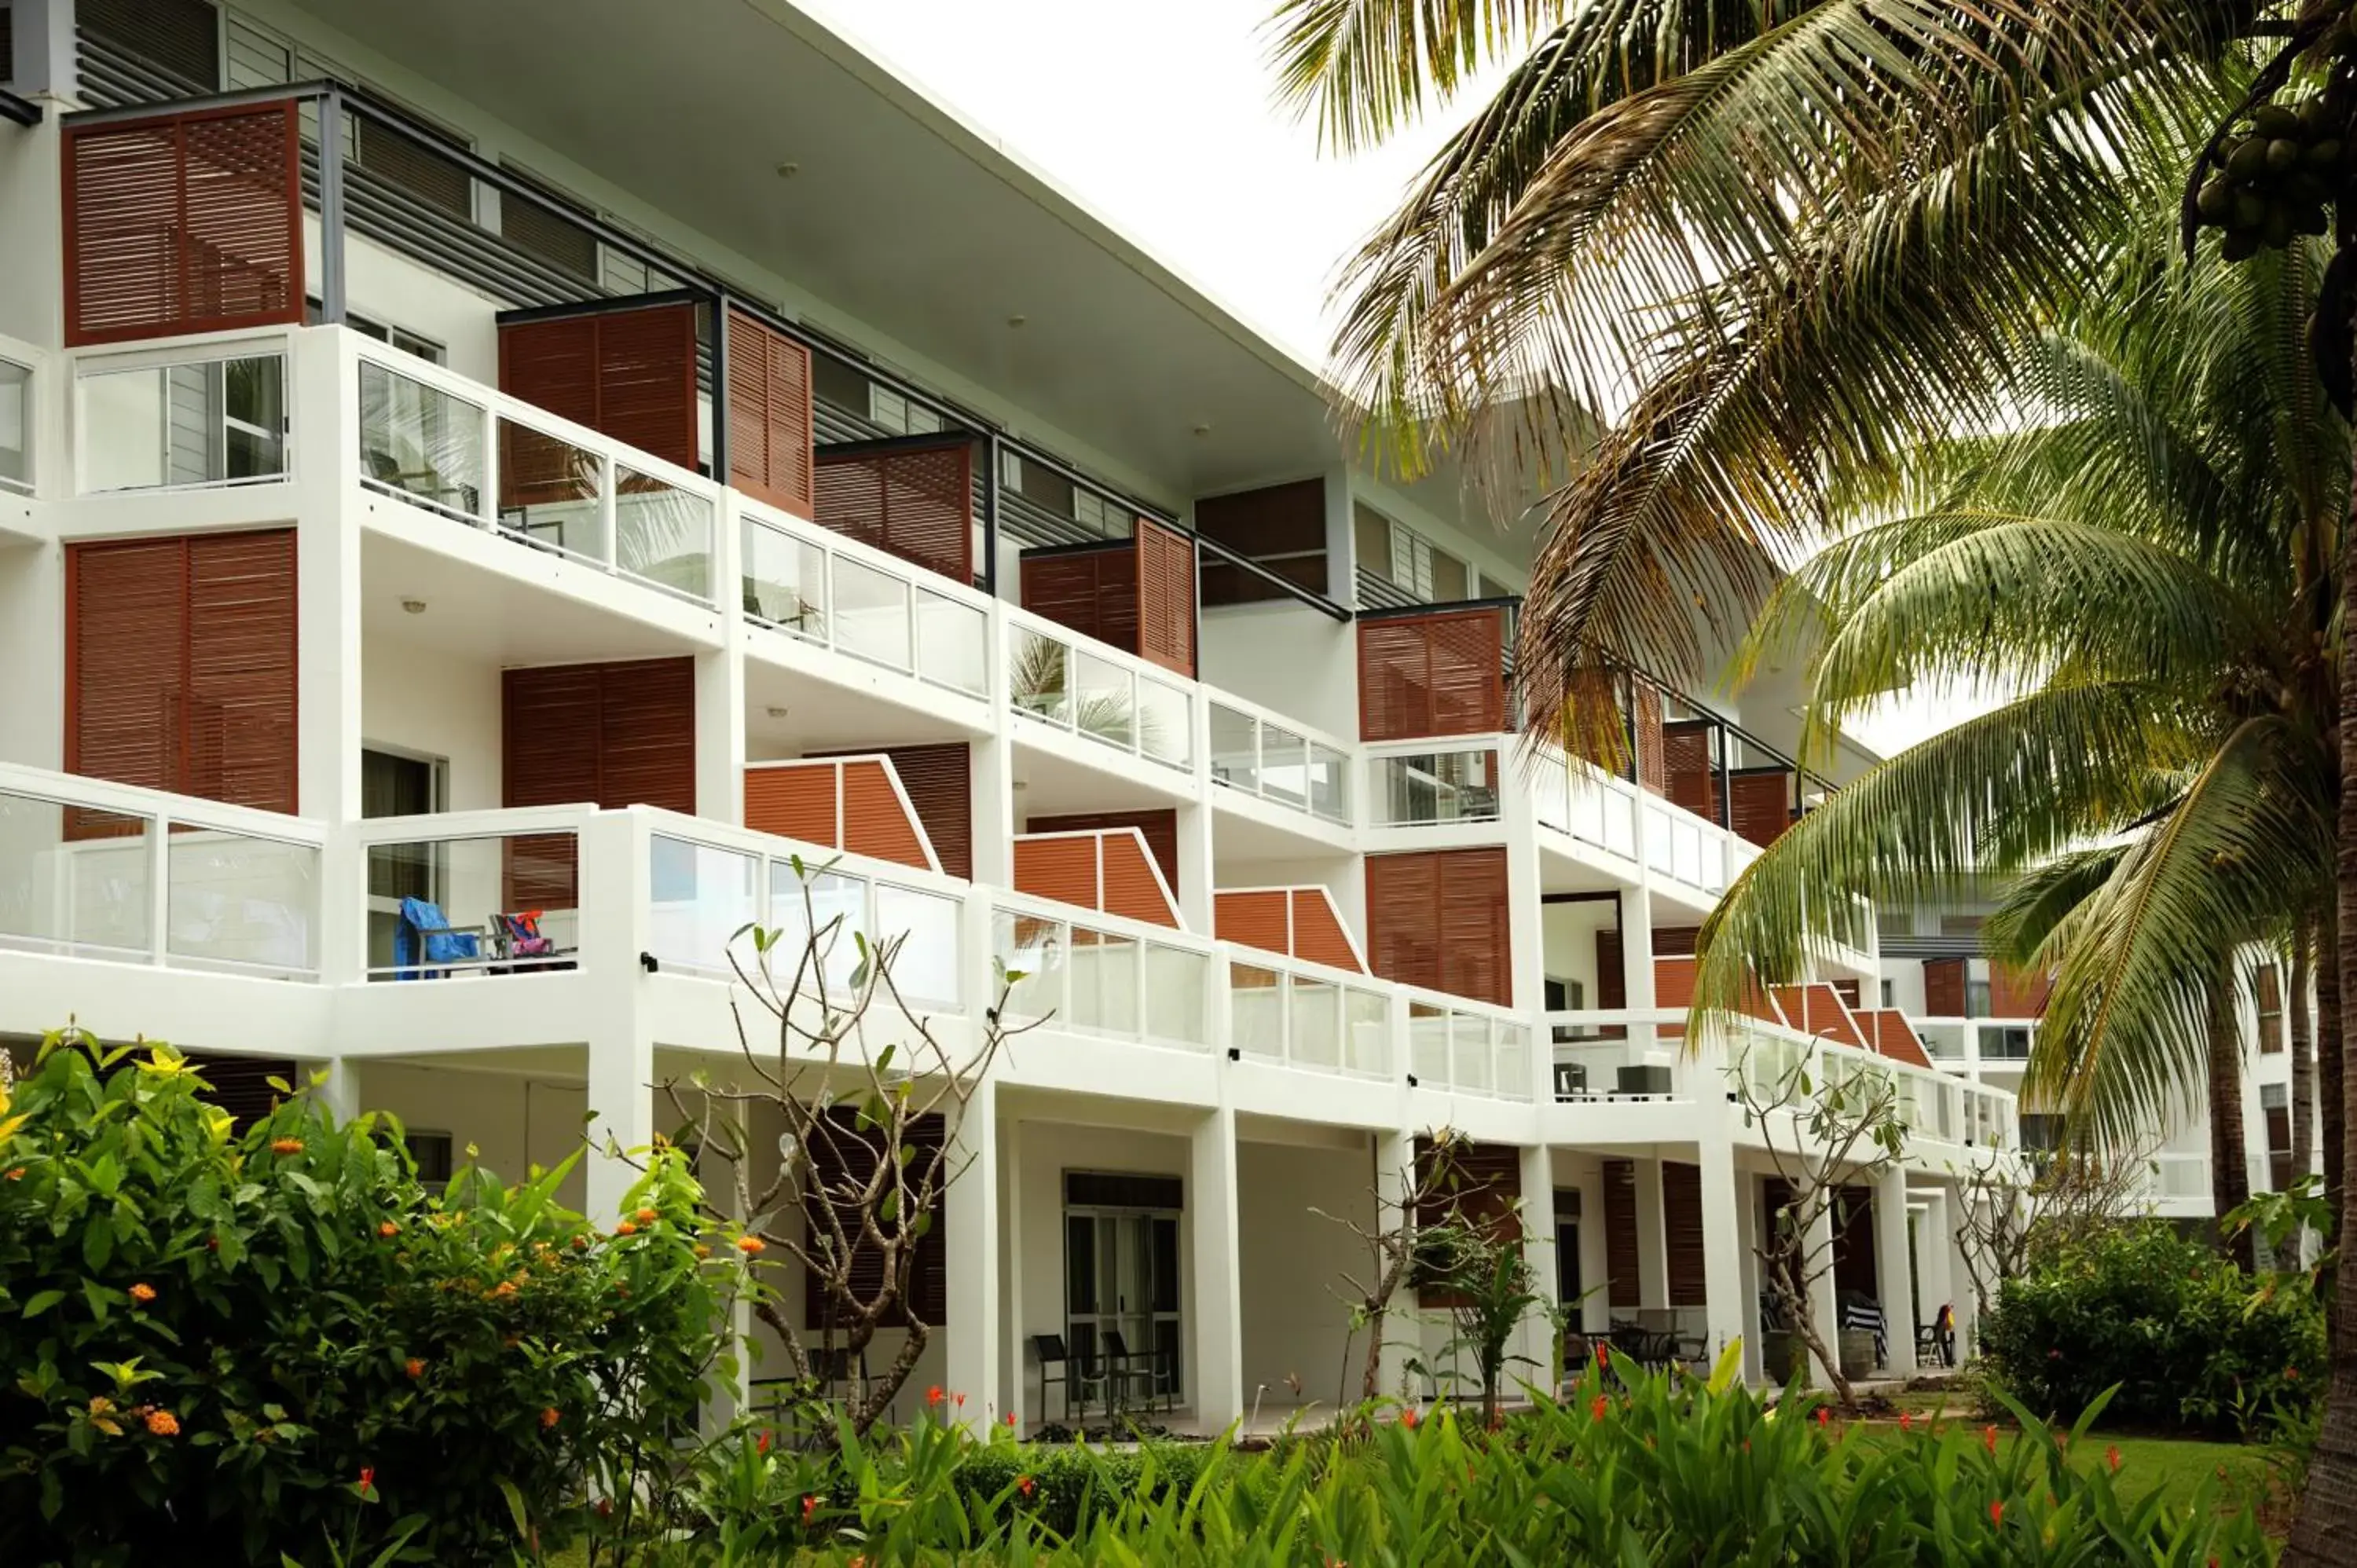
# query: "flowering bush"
{"points": [[2189, 1339], [219, 1346]]}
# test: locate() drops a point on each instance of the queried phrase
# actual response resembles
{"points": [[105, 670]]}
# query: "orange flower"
{"points": [[1596, 1407], [810, 1505], [1988, 1439], [414, 1368], [1906, 1420], [285, 1145], [580, 1243], [1408, 1418], [143, 1291], [752, 1246], [626, 1229], [1025, 1485], [387, 1229], [933, 1394], [2291, 1374], [548, 1417], [702, 1250], [100, 1405], [368, 1479], [16, 1173], [163, 1423], [646, 1217], [2112, 1457], [1997, 1513], [761, 1441]]}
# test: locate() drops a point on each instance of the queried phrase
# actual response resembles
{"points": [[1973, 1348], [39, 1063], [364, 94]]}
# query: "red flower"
{"points": [[1025, 1485], [1596, 1407], [368, 1479], [958, 1400], [2291, 1374], [933, 1394], [761, 1441], [809, 1507], [1988, 1439], [1011, 1421], [2112, 1457], [1603, 1355], [1906, 1420], [1823, 1415], [414, 1368], [1408, 1418], [549, 1417], [1997, 1513]]}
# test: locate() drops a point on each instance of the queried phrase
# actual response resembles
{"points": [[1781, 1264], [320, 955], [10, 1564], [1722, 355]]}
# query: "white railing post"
{"points": [[159, 889]]}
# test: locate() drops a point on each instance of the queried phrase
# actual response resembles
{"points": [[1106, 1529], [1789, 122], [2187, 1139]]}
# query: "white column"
{"points": [[1652, 1238], [1960, 1283], [1748, 1220], [1015, 1375], [340, 1091], [1817, 1252], [1595, 1259], [1541, 1342], [1932, 1250], [970, 1223], [1892, 1257], [720, 729], [1197, 870], [1218, 1317], [621, 1052], [323, 376], [1725, 1304], [993, 784], [1394, 1177], [1637, 948]]}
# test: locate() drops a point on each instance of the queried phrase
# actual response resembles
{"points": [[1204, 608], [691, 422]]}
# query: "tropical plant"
{"points": [[1488, 1287], [223, 1345], [1392, 1254]]}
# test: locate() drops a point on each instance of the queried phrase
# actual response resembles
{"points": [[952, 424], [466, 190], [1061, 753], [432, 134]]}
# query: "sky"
{"points": [[1163, 120]]}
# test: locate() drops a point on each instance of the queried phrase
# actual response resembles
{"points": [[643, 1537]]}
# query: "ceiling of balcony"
{"points": [[900, 215]]}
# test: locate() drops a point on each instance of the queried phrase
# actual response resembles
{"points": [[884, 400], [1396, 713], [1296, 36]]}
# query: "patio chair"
{"points": [[426, 946], [520, 947], [1126, 1368], [1049, 1351]]}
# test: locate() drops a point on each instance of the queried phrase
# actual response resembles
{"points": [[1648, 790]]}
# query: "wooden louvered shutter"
{"points": [[630, 374], [1165, 598], [240, 1085], [1282, 527], [1943, 987], [771, 433], [1395, 699], [874, 821], [647, 735], [1855, 1267], [1317, 931], [852, 1155], [1682, 1232], [1759, 803], [183, 223], [1161, 828], [1403, 934], [1692, 782], [1476, 944], [1064, 869], [240, 710], [126, 661], [1128, 885], [1468, 676], [939, 781], [1645, 718], [550, 728], [916, 502], [1621, 1273], [1255, 920], [1482, 1195], [793, 803], [1067, 586]]}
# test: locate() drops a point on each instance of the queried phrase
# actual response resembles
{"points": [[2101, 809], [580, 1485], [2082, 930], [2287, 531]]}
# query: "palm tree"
{"points": [[1781, 244]]}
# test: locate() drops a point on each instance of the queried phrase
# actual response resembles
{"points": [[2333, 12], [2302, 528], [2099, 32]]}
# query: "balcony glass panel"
{"points": [[785, 581], [663, 535], [1685, 852], [549, 492], [72, 880], [244, 903], [1658, 853], [925, 969], [1469, 1040], [1427, 1044], [1105, 989], [1040, 674], [1437, 787], [1105, 701], [1034, 949], [699, 899], [871, 614], [1619, 817], [824, 904], [420, 442], [1256, 1010], [1330, 783], [15, 426], [208, 422], [1512, 1060], [1284, 765], [950, 639], [1366, 1032], [434, 906], [1235, 740], [1316, 1015], [1714, 863], [1163, 723], [1175, 980]]}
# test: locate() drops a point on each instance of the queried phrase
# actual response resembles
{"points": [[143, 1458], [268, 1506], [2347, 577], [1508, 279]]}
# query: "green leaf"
{"points": [[516, 1509], [41, 1301]]}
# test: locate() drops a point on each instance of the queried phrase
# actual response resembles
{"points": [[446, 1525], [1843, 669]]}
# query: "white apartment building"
{"points": [[460, 460]]}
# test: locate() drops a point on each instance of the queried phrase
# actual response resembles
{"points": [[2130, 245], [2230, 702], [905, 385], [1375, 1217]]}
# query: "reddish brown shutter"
{"points": [[1432, 675], [1759, 803], [916, 502], [1895, 1037], [791, 802], [182, 223], [1438, 920], [845, 1153], [939, 780], [2014, 993], [874, 821], [1283, 527], [1620, 1266], [1611, 974], [1255, 918], [1160, 828], [1165, 598], [1943, 987], [1682, 1232], [1092, 591], [1062, 869], [180, 657], [240, 1085], [1131, 889], [630, 374], [769, 416], [609, 735], [1855, 1266], [1317, 931], [1652, 761], [1692, 780]]}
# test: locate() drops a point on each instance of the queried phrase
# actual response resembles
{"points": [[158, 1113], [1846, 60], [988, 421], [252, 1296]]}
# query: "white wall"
{"points": [[1292, 1263], [416, 699], [1569, 940], [32, 645], [1287, 657], [513, 1121]]}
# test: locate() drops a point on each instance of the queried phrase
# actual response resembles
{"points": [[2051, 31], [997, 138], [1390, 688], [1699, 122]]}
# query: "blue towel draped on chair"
{"points": [[424, 941]]}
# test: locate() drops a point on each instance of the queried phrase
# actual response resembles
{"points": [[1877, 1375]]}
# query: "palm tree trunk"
{"points": [[2303, 1049], [2332, 1117], [2230, 1160], [2327, 1521]]}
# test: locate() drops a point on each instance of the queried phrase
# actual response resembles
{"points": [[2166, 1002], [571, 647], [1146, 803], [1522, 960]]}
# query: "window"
{"points": [[2274, 1105], [214, 422], [1442, 786], [2006, 1045], [898, 416], [1407, 560], [1960, 925], [1976, 998], [2270, 987], [179, 38], [1889, 922], [15, 424], [392, 785], [1890, 994], [413, 166], [538, 232], [431, 1153]]}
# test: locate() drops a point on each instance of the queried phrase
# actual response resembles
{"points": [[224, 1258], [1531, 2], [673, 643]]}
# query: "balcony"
{"points": [[1263, 756]]}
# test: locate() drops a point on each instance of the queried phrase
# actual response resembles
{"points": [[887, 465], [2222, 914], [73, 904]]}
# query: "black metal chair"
{"points": [[1050, 1349], [1126, 1368]]}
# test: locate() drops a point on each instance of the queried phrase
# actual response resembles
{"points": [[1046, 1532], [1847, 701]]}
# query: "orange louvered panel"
{"points": [[939, 781], [1830, 1019], [183, 223], [793, 803], [1645, 720], [1319, 934], [875, 822], [611, 735], [1064, 869], [630, 374], [1160, 828], [240, 709], [1943, 987], [1166, 596], [1432, 675], [1130, 886], [1895, 1037], [2014, 993], [1759, 803], [1692, 780], [1438, 920], [647, 752], [1255, 918], [1611, 972], [769, 416], [1674, 988], [914, 502]]}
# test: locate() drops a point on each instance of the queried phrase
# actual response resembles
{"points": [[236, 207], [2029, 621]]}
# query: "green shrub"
{"points": [[2190, 1341], [1668, 1471], [218, 1347]]}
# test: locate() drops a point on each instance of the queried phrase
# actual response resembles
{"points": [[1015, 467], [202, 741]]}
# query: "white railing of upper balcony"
{"points": [[1616, 816], [89, 869], [818, 587], [1074, 683], [1262, 754]]}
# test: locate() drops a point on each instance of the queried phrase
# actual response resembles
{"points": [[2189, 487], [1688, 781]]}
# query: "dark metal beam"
{"points": [[24, 110]]}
